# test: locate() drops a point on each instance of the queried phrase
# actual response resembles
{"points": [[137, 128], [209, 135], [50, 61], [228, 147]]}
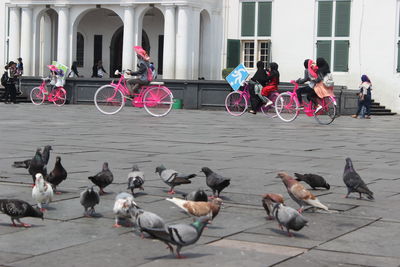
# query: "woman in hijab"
{"points": [[364, 97], [259, 77]]}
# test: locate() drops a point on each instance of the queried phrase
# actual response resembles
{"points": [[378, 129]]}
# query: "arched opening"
{"points": [[80, 49], [146, 42], [101, 28], [205, 45], [46, 40]]}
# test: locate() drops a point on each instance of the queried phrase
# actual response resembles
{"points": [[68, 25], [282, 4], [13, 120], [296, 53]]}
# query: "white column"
{"points": [[26, 39], [63, 33], [182, 44], [195, 43], [14, 34], [217, 44], [129, 38], [169, 43]]}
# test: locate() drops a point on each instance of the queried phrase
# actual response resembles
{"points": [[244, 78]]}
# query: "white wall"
{"points": [[153, 26], [3, 34]]}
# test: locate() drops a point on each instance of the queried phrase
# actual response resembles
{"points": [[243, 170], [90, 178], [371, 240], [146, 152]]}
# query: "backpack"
{"points": [[4, 79], [328, 80]]}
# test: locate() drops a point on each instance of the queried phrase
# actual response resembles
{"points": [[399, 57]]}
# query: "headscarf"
{"points": [[141, 52], [364, 78], [312, 70]]}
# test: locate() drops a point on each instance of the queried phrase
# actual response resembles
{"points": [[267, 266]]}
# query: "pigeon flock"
{"points": [[197, 204]]}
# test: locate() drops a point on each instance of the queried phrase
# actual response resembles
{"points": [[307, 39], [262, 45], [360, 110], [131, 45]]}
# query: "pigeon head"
{"points": [[201, 222], [207, 171], [135, 168], [282, 175], [58, 159], [38, 150], [39, 181], [160, 168], [349, 163], [48, 147], [105, 166], [36, 213], [217, 201]]}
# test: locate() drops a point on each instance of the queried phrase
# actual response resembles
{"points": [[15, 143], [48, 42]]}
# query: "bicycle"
{"points": [[236, 103], [155, 98], [287, 107], [57, 95]]}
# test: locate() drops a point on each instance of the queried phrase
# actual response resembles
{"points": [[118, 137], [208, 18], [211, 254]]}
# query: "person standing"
{"points": [[20, 67], [98, 71], [364, 98], [74, 70], [11, 91]]}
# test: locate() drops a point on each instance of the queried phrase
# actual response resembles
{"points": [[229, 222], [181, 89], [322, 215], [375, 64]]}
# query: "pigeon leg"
{"points": [[270, 217], [360, 196], [102, 192], [13, 223], [300, 210], [116, 225], [141, 188], [171, 191], [169, 247], [23, 224], [133, 194], [280, 226], [178, 254], [289, 233]]}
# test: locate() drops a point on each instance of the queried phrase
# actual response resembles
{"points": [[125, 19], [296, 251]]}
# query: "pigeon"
{"points": [[312, 180], [42, 192], [89, 198], [135, 179], [57, 175], [17, 209], [37, 165], [299, 194], [179, 235], [173, 178], [197, 208], [25, 164], [123, 204], [268, 201], [354, 182], [197, 195], [216, 182], [46, 154], [289, 218], [145, 219], [103, 178]]}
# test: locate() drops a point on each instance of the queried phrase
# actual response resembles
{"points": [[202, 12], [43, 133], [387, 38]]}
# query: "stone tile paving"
{"points": [[249, 149]]}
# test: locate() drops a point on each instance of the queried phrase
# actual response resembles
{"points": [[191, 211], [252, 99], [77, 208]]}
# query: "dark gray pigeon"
{"points": [[145, 219], [216, 182], [103, 178], [57, 175], [173, 178], [288, 217], [25, 164], [354, 182], [89, 198], [46, 154], [198, 195], [135, 179], [37, 165], [17, 209], [313, 180], [180, 235]]}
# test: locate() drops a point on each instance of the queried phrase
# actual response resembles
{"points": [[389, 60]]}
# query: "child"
{"points": [[272, 82]]}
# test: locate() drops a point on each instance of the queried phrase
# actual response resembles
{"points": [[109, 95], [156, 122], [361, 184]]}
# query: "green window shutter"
{"points": [[341, 62], [324, 50], [325, 19], [233, 53], [342, 25], [248, 21], [398, 56], [264, 18]]}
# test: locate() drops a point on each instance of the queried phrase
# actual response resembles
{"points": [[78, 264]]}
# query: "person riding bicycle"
{"points": [[309, 88], [324, 82], [144, 72], [56, 76], [261, 78], [272, 82]]}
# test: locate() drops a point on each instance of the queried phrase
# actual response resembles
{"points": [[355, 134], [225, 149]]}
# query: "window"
{"points": [[333, 31], [80, 45], [98, 48], [255, 32]]}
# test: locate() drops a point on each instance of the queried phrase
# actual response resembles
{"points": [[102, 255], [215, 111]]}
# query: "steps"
{"points": [[21, 98], [378, 110]]}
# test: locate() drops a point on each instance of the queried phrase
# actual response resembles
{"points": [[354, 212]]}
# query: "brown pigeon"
{"points": [[198, 208], [268, 201], [298, 193]]}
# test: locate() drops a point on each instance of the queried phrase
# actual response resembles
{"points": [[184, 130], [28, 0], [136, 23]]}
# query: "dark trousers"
{"points": [[10, 93], [305, 90], [364, 103], [255, 101]]}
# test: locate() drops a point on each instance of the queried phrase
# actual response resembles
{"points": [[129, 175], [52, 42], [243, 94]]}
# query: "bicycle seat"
{"points": [[156, 83], [46, 79]]}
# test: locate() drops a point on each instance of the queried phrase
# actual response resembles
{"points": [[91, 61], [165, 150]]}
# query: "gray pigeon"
{"points": [[57, 175], [173, 178], [145, 219], [17, 209], [37, 165], [216, 182], [25, 164], [103, 178], [354, 182], [179, 235], [288, 217], [89, 199], [135, 179], [198, 195], [313, 180]]}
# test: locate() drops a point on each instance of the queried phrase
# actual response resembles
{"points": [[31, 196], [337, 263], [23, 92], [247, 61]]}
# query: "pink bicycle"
{"points": [[237, 102], [287, 107], [58, 95], [155, 98]]}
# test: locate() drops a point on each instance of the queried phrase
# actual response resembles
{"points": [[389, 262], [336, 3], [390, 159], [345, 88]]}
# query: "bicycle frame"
{"points": [[49, 96]]}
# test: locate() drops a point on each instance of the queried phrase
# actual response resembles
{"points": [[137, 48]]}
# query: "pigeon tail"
{"points": [[299, 177], [315, 203], [22, 164], [179, 202]]}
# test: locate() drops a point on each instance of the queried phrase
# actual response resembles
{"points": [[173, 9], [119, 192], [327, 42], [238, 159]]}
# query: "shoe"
{"points": [[318, 109], [354, 116], [301, 107], [252, 111], [269, 103], [368, 117]]}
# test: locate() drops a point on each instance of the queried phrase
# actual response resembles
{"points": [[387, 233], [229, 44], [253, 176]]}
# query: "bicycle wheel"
{"points": [[286, 107], [270, 110], [328, 112], [235, 103], [60, 96], [109, 100], [37, 96], [158, 101]]}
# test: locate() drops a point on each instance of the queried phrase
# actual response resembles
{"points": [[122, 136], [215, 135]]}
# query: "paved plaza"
{"points": [[248, 149]]}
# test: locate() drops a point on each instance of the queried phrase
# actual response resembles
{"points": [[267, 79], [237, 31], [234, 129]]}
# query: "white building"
{"points": [[188, 39]]}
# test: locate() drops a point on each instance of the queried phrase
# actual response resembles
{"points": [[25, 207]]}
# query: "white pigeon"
{"points": [[42, 192], [135, 179], [122, 207]]}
